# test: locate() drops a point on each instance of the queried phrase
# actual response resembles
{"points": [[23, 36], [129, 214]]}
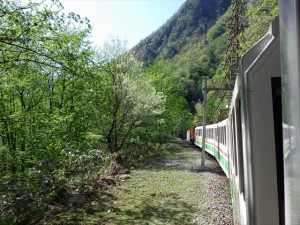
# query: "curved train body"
{"points": [[258, 145]]}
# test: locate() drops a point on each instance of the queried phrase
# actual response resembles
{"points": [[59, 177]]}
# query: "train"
{"points": [[257, 146]]}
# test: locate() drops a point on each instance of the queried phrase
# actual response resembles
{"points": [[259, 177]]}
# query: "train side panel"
{"points": [[259, 68]]}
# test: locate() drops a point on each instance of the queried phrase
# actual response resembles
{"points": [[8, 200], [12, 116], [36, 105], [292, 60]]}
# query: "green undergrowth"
{"points": [[165, 190]]}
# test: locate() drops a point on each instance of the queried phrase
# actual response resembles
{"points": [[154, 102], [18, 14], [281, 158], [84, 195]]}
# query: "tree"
{"points": [[44, 61], [177, 116], [127, 100]]}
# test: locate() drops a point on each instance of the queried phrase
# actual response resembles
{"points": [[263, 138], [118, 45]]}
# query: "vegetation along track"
{"points": [[167, 190]]}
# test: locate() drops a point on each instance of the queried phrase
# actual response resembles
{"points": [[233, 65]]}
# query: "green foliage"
{"points": [[259, 15], [24, 197], [129, 100], [177, 115], [64, 107]]}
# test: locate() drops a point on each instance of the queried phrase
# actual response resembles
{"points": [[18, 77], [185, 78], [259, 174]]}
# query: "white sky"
{"points": [[130, 20]]}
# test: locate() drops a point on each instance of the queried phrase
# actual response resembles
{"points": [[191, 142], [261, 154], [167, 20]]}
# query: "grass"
{"points": [[165, 191], [156, 197]]}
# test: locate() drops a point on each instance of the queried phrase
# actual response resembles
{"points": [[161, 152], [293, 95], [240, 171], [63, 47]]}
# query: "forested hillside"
{"points": [[192, 44], [201, 48], [187, 26]]}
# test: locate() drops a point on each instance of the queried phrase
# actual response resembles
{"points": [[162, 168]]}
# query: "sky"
{"points": [[130, 20]]}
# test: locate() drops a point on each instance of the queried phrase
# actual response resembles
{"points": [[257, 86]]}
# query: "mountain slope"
{"points": [[187, 26]]}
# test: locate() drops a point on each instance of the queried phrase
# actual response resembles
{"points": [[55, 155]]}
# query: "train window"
{"points": [[240, 147], [222, 135], [214, 133], [234, 148], [225, 138]]}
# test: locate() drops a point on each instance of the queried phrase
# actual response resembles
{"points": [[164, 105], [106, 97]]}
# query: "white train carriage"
{"points": [[221, 153], [215, 142], [198, 136], [263, 133], [210, 141], [256, 133], [247, 145]]}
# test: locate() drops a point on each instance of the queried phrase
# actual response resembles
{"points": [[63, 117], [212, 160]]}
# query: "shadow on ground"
{"points": [[154, 210]]}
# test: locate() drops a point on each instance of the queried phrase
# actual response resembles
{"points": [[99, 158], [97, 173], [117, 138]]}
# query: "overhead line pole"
{"points": [[204, 123], [205, 91]]}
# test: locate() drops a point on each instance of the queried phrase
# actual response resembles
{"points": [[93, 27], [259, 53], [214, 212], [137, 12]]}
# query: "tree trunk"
{"points": [[116, 166]]}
